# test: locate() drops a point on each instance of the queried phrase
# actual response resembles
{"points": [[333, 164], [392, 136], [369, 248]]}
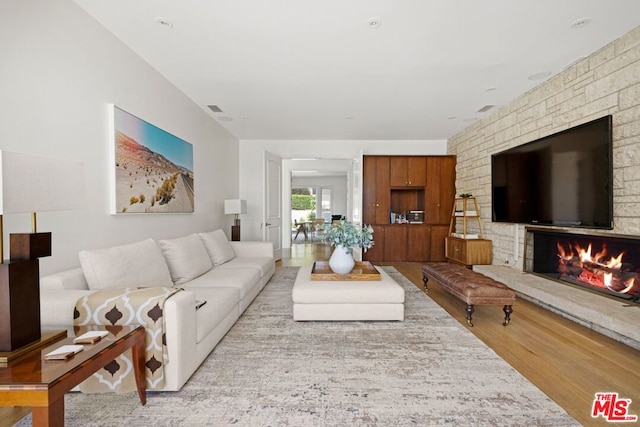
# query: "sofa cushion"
{"points": [[219, 248], [261, 263], [186, 257], [139, 264], [243, 279]]}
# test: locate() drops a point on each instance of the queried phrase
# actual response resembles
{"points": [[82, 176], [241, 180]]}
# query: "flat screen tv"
{"points": [[564, 179]]}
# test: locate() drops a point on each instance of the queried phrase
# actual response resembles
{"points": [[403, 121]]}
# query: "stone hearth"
{"points": [[613, 317]]}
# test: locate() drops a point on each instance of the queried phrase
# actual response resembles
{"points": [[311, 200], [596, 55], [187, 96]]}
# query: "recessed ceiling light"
{"points": [[539, 75], [225, 119], [215, 108], [579, 23], [164, 22], [491, 89], [374, 22], [451, 117]]}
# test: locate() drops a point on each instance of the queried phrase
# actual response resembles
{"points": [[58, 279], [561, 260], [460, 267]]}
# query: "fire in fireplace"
{"points": [[605, 263]]}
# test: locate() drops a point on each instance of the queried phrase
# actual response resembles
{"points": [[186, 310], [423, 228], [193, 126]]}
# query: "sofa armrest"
{"points": [[56, 306], [253, 249]]}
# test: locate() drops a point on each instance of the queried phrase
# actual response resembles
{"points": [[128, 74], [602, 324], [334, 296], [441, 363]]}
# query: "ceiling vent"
{"points": [[485, 108], [214, 108]]}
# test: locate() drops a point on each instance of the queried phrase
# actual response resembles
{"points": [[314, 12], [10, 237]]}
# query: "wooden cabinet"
{"points": [[464, 247], [375, 195], [468, 251], [395, 243], [376, 252], [418, 242], [437, 242], [408, 171], [440, 189], [408, 183]]}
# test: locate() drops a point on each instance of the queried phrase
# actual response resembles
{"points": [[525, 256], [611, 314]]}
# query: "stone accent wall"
{"points": [[606, 82]]}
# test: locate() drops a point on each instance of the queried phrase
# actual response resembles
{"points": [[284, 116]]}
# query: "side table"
{"points": [[31, 381]]}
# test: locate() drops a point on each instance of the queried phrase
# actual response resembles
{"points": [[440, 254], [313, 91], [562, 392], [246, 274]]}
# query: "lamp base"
{"points": [[235, 233], [19, 304], [29, 245]]}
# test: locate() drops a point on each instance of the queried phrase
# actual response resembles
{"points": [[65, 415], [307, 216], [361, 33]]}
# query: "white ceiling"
{"points": [[302, 69]]}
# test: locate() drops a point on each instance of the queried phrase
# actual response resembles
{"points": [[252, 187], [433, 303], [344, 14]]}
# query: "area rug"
{"points": [[272, 371]]}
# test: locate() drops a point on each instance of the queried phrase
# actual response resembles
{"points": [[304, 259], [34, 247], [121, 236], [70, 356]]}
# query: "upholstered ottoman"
{"points": [[346, 300]]}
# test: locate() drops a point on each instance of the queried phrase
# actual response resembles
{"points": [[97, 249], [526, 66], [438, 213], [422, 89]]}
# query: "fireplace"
{"points": [[604, 263]]}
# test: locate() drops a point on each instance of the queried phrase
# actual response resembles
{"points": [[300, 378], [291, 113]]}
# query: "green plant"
{"points": [[303, 202], [465, 195], [347, 234]]}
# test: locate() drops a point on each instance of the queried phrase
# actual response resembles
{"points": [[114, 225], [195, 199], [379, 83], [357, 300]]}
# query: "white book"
{"points": [[467, 213], [90, 337], [64, 352], [465, 236]]}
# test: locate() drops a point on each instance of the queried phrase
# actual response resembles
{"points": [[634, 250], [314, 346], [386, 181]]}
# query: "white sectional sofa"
{"points": [[227, 275]]}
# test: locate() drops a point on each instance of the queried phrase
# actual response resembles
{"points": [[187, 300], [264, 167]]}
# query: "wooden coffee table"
{"points": [[32, 381]]}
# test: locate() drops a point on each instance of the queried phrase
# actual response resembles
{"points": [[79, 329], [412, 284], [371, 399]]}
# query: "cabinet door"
{"points": [[376, 252], [417, 171], [418, 246], [398, 171], [440, 189], [407, 171], [456, 250], [383, 194], [375, 190], [395, 243], [438, 236]]}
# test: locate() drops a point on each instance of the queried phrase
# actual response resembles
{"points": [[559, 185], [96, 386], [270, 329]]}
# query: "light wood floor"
{"points": [[568, 362]]}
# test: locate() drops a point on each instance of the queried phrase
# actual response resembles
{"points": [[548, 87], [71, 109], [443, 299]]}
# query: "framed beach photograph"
{"points": [[152, 169]]}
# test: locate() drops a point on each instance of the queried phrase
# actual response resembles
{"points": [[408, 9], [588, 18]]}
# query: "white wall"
{"points": [[252, 165], [59, 71]]}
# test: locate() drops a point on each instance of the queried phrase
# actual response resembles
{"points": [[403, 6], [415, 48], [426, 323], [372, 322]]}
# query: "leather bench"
{"points": [[469, 286]]}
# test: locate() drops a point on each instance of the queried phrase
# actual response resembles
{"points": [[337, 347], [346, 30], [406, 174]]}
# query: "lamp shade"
{"points": [[235, 206], [30, 183]]}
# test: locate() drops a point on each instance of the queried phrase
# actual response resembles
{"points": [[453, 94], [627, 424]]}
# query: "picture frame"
{"points": [[152, 169]]}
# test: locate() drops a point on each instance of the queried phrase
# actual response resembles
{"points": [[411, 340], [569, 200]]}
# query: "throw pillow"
{"points": [[134, 265], [187, 258], [219, 248]]}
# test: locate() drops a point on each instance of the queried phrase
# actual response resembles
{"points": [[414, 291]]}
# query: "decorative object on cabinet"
{"points": [[460, 245], [236, 207]]}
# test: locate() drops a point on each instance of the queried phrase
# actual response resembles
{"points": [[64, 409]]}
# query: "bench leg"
{"points": [[425, 279], [507, 314], [469, 311]]}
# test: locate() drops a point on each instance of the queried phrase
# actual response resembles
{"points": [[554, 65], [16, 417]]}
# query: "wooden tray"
{"points": [[361, 271]]}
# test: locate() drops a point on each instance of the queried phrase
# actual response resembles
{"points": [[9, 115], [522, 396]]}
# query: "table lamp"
{"points": [[235, 207], [30, 184]]}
